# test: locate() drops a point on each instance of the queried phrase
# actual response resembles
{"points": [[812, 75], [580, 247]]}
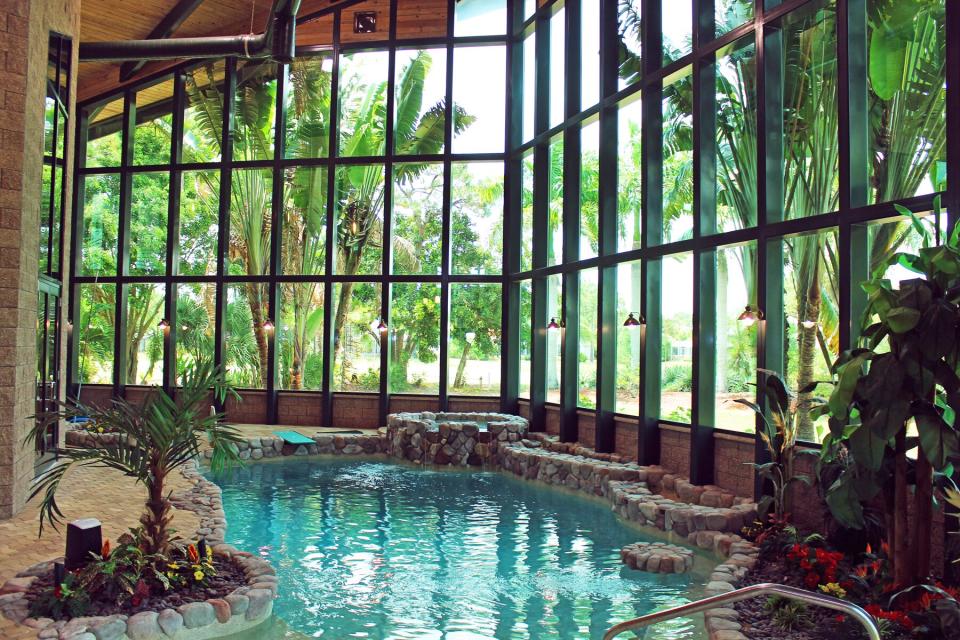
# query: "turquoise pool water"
{"points": [[369, 549]]}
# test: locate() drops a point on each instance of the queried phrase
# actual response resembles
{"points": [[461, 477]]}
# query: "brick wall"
{"points": [[625, 437], [25, 27], [356, 411], [730, 453], [675, 449], [251, 408], [95, 395], [413, 404], [587, 428], [552, 419], [523, 408], [299, 409], [464, 404]]}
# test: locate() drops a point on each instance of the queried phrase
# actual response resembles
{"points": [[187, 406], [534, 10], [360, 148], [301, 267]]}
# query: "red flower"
{"points": [[192, 554], [811, 580], [58, 592], [105, 550]]}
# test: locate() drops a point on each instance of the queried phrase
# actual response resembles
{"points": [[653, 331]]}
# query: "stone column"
{"points": [[25, 27]]}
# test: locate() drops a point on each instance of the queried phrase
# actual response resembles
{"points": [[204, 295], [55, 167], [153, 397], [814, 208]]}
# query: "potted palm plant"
{"points": [[154, 439]]}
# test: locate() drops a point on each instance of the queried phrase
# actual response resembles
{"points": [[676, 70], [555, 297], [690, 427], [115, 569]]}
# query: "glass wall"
{"points": [[712, 243], [318, 246]]}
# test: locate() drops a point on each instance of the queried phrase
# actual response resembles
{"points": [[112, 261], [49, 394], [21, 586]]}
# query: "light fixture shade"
{"points": [[553, 325], [809, 324], [750, 316], [268, 325], [632, 322], [164, 324], [382, 326]]}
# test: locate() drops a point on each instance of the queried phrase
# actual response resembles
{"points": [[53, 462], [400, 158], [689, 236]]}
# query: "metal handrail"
{"points": [[753, 591]]}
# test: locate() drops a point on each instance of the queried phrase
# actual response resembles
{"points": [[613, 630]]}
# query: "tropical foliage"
{"points": [[155, 438]]}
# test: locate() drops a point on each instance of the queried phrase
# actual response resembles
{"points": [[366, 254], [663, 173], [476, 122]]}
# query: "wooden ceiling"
{"points": [[135, 19]]}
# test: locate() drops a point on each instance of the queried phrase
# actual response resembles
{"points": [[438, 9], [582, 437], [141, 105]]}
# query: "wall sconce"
{"points": [[750, 316], [379, 326], [268, 326], [633, 322], [553, 325], [164, 325], [470, 336], [809, 324], [68, 325]]}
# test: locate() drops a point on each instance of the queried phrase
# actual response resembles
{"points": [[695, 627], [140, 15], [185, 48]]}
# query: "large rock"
{"points": [[197, 614], [170, 621], [144, 626], [260, 603]]}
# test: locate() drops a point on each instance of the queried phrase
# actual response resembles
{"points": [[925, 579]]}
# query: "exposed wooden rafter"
{"points": [[164, 29]]}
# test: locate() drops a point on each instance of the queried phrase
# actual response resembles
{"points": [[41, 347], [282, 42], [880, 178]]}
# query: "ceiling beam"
{"points": [[164, 29]]}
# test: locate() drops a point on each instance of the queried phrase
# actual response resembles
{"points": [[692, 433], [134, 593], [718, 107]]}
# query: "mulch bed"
{"points": [[229, 577], [758, 624]]}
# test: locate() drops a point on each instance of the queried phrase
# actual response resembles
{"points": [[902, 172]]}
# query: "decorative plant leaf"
{"points": [[845, 504], [902, 319], [887, 56], [938, 440], [848, 375], [867, 447]]}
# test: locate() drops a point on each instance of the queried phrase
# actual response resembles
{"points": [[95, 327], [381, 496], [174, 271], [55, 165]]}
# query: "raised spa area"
{"points": [[480, 319]]}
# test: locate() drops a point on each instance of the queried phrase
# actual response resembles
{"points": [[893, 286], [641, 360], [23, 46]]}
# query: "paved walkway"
{"points": [[100, 493]]}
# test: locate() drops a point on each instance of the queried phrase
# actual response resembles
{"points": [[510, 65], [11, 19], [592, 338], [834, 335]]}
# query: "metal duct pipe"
{"points": [[278, 40]]}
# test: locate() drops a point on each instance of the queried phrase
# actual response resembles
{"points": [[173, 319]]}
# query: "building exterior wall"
{"points": [[25, 27]]}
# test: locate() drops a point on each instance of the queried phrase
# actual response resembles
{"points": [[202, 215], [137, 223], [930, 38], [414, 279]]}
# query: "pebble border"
{"points": [[708, 517], [244, 608]]}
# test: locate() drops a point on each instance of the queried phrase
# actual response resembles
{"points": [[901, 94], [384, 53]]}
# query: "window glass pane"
{"points": [[678, 159], [730, 14], [475, 337], [359, 219], [629, 288], [526, 304], [529, 84], [304, 243], [810, 111], [417, 218], [480, 18], [144, 343], [630, 30], [203, 119], [50, 112], [476, 218], [811, 327], [736, 144], [151, 137], [94, 333], [199, 222], [554, 237], [554, 286], [149, 200], [736, 340], [558, 72], [101, 206], [677, 21], [196, 319], [415, 338], [46, 218], [484, 101], [250, 216], [254, 111], [589, 190], [589, 54], [245, 337], [363, 103], [356, 341], [629, 177], [421, 86], [676, 373], [908, 93], [307, 128], [300, 336], [103, 135], [526, 216], [587, 351]]}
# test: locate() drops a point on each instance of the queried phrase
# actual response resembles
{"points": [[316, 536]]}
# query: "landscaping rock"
{"points": [[144, 626], [197, 614], [170, 621], [260, 602]]}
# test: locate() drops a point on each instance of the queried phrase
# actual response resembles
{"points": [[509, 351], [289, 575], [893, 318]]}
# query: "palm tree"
{"points": [[154, 440]]}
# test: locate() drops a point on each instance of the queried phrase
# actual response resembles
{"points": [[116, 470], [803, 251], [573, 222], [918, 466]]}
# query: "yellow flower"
{"points": [[209, 553], [174, 566], [171, 574], [99, 429], [198, 575], [834, 589]]}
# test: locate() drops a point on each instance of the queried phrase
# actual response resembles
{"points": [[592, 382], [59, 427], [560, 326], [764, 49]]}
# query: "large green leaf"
{"points": [[844, 503], [847, 376], [937, 439], [888, 53], [867, 447], [902, 319]]}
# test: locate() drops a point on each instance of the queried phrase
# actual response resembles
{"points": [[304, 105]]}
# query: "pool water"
{"points": [[370, 549]]}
